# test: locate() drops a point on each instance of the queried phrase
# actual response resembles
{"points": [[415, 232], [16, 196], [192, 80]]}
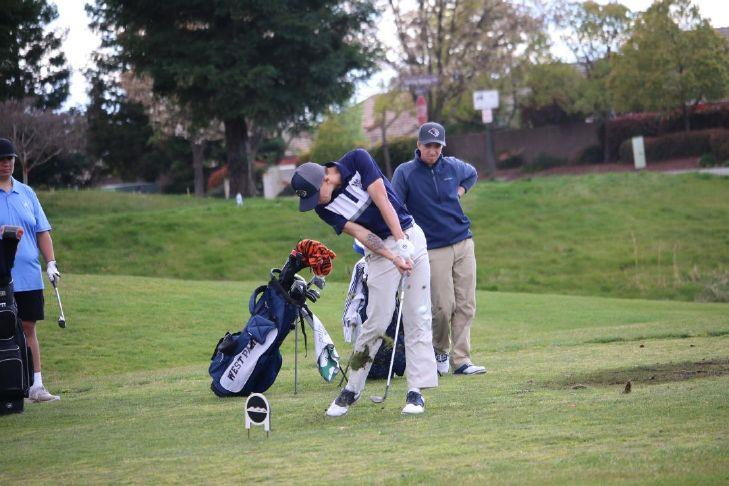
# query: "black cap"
{"points": [[306, 182], [7, 149], [431, 132]]}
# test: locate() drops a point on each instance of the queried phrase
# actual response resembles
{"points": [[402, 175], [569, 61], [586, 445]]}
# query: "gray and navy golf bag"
{"points": [[15, 359], [249, 361]]}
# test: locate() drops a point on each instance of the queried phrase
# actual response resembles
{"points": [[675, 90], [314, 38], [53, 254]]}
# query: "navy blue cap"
{"points": [[306, 182], [431, 132], [7, 149]]}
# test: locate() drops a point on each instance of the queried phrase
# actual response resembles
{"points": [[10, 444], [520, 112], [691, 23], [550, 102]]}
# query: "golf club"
{"points": [[61, 317], [381, 399]]}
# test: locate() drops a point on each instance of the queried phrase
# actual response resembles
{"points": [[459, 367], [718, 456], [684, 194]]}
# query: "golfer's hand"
{"points": [[52, 271], [403, 265]]}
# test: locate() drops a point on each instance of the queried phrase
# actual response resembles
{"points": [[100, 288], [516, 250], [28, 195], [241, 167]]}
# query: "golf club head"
{"points": [[318, 281], [62, 323], [376, 399]]}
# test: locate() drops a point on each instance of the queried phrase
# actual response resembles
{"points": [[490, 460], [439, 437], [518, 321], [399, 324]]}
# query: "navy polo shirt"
{"points": [[352, 202], [20, 207]]}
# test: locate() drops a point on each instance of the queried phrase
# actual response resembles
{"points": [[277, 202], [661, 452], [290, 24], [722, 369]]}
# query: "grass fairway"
{"points": [[629, 235], [135, 407]]}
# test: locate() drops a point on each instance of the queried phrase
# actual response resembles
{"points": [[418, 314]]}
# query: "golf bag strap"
{"points": [[254, 298]]}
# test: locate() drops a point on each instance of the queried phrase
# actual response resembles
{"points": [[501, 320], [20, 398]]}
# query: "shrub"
{"points": [[672, 145], [707, 160], [401, 150], [542, 162], [590, 155], [510, 159], [719, 143], [627, 127]]}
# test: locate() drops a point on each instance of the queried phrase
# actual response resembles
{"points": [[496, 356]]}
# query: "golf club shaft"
{"points": [[397, 333], [60, 306]]}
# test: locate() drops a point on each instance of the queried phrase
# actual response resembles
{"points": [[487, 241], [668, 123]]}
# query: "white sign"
{"points": [[485, 100], [487, 116], [638, 153], [257, 412]]}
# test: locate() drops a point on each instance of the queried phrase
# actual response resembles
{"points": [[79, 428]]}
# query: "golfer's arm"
{"points": [[378, 193], [368, 239], [45, 245]]}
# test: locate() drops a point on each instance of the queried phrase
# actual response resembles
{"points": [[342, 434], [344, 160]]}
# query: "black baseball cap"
{"points": [[7, 149], [306, 182], [431, 132]]}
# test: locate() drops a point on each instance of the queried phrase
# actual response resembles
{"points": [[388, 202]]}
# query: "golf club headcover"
{"points": [[317, 256]]}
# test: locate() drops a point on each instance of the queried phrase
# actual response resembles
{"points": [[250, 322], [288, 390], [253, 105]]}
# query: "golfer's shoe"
{"points": [[38, 394], [470, 369], [341, 404], [441, 361], [414, 404]]}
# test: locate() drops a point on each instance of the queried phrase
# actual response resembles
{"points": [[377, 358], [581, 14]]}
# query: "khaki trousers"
{"points": [[453, 295], [383, 280]]}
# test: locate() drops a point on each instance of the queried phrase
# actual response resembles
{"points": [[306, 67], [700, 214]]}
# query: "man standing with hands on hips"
{"points": [[20, 207], [353, 197], [431, 186]]}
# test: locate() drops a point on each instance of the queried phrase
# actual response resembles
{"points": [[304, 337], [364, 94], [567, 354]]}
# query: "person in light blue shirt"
{"points": [[431, 187], [19, 206]]}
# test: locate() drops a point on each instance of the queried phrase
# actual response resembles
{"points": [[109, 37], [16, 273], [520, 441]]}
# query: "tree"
{"points": [[389, 107], [673, 60], [31, 62], [457, 40], [338, 134], [248, 64], [40, 135], [594, 33], [554, 91], [173, 119]]}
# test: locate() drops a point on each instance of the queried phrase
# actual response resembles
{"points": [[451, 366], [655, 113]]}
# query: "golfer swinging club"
{"points": [[354, 197]]}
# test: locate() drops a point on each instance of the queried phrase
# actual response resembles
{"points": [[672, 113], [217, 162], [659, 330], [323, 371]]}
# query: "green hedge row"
{"points": [[681, 144]]}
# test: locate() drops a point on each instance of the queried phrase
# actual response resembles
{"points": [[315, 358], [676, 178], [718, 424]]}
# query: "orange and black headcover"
{"points": [[316, 255]]}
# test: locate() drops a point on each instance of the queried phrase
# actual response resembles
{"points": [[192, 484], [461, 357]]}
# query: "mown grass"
{"points": [[640, 235], [135, 408]]}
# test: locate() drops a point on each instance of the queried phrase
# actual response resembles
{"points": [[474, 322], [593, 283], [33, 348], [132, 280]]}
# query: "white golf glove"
{"points": [[52, 271], [405, 249]]}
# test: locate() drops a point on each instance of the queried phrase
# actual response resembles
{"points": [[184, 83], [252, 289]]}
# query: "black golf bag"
{"points": [[15, 360], [249, 361]]}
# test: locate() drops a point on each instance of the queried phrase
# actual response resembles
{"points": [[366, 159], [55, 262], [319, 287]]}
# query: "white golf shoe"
{"points": [[38, 394], [415, 404], [341, 404], [470, 369]]}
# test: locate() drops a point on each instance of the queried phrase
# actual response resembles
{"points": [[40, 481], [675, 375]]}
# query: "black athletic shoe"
{"points": [[415, 403]]}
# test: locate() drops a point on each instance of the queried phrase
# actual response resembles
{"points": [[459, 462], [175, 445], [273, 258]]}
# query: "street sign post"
{"points": [[486, 101], [419, 84]]}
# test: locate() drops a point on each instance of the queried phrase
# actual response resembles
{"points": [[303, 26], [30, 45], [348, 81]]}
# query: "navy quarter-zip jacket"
{"points": [[431, 196]]}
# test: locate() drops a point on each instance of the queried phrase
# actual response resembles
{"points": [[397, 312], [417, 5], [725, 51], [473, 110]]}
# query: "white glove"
{"points": [[405, 249], [52, 271]]}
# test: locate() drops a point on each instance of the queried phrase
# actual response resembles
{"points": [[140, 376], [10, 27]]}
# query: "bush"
{"points": [[680, 144], [510, 159], [707, 160], [702, 117], [542, 162], [401, 150], [719, 143], [590, 155]]}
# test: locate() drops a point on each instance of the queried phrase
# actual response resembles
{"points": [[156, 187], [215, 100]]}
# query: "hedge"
{"points": [[681, 144], [402, 149], [702, 117]]}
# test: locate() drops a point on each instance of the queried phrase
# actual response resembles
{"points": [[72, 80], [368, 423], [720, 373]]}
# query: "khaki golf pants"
{"points": [[453, 293], [382, 281]]}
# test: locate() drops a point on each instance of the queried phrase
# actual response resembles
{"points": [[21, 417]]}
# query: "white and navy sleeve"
{"points": [[363, 163]]}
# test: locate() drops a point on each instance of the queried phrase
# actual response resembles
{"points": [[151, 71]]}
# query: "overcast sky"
{"points": [[81, 42]]}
